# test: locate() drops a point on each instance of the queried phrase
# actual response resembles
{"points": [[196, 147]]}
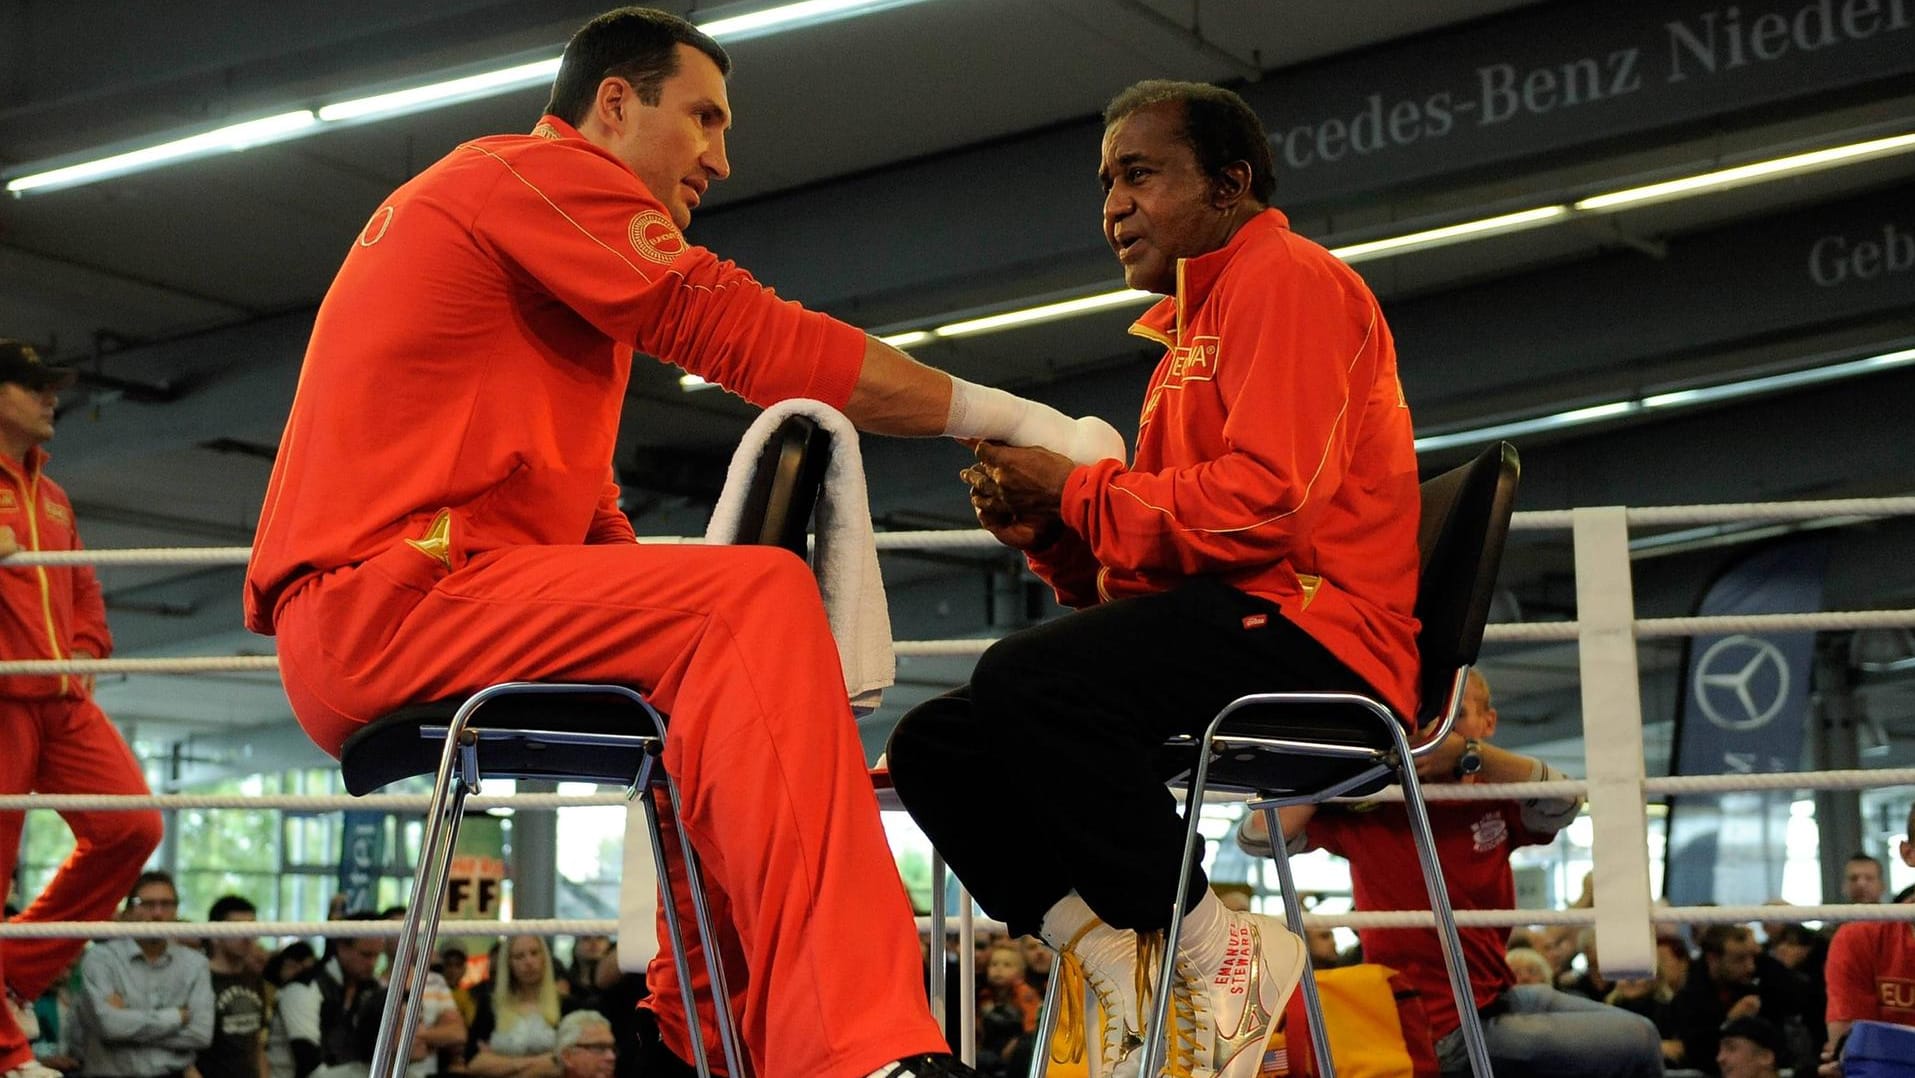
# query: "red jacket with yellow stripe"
{"points": [[46, 612], [467, 369], [1274, 451]]}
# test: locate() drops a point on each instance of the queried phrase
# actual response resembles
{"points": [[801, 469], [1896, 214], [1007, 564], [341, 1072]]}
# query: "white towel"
{"points": [[846, 563], [847, 556]]}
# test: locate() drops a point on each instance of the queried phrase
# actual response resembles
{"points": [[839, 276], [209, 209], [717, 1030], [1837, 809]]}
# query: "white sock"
{"points": [[1206, 933], [1063, 921]]}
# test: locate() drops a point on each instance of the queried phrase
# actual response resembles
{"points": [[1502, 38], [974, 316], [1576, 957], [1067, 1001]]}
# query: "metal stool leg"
{"points": [[1293, 914], [708, 940], [1047, 1022], [676, 937], [936, 956], [1156, 1043], [411, 959]]}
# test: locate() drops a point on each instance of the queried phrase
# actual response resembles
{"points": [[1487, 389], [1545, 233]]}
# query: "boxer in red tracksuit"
{"points": [[53, 738], [442, 515]]}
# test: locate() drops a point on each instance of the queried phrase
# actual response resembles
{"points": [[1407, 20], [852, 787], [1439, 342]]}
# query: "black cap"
{"points": [[20, 363], [1757, 1031]]}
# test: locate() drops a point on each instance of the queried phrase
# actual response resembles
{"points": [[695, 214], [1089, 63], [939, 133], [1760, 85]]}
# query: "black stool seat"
{"points": [[394, 747], [1254, 751]]}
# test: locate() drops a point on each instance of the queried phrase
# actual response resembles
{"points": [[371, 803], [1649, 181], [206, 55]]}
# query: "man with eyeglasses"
{"points": [[145, 1007], [586, 1047]]}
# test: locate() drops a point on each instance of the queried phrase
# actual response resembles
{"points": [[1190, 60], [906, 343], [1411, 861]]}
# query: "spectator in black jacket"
{"points": [[1735, 980]]}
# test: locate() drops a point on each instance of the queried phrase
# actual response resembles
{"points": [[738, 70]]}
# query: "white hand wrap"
{"points": [[990, 414]]}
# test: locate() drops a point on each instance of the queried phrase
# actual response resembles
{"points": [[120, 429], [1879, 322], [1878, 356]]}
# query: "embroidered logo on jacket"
{"points": [[1489, 832], [655, 237], [8, 502], [1193, 362], [57, 513], [375, 229]]}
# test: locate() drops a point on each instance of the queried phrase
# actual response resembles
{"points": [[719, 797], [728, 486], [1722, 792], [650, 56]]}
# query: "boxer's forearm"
{"points": [[897, 395]]}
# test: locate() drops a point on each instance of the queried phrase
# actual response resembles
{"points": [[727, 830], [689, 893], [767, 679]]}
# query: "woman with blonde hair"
{"points": [[516, 1028]]}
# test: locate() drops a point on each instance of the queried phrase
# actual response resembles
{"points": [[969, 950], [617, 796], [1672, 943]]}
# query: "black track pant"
{"points": [[1063, 722]]}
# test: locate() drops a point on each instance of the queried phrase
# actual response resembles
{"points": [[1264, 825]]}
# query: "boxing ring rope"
{"points": [[1606, 630], [970, 539], [1503, 791], [184, 930], [1532, 632]]}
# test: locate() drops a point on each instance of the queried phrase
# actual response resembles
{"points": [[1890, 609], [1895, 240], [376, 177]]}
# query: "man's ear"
{"points": [[1232, 187], [613, 98]]}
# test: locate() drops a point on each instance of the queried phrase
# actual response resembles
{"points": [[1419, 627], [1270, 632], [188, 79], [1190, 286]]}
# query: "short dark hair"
{"points": [[1800, 935], [1220, 128], [1716, 938], [637, 44], [1854, 857], [149, 877], [340, 939], [227, 905]]}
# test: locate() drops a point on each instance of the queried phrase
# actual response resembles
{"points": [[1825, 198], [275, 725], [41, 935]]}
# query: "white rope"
{"points": [[184, 555], [1666, 915], [183, 930], [976, 539], [1881, 778], [295, 802], [1681, 915], [1503, 631], [181, 664], [1446, 791], [1728, 513]]}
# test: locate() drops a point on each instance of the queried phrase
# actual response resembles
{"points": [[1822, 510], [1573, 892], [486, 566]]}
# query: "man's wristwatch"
{"points": [[1472, 759]]}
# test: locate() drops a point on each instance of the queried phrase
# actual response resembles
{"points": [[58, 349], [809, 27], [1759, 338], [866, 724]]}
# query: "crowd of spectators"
{"points": [[1738, 1000], [229, 1007]]}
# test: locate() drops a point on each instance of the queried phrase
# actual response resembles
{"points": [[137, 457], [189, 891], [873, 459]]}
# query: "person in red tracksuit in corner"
{"points": [[53, 738], [442, 515], [1263, 540]]}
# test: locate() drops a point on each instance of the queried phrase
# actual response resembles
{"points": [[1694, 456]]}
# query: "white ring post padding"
{"points": [[1605, 609]]}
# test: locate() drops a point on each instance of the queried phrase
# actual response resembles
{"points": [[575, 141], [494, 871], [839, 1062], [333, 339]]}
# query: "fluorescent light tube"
{"points": [[1575, 417], [1787, 380], [692, 383], [438, 94], [906, 340], [226, 139], [1681, 398], [1754, 173], [791, 16], [1448, 234], [1045, 313]]}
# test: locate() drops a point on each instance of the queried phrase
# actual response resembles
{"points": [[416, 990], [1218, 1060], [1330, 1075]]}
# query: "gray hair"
{"points": [[574, 1025]]}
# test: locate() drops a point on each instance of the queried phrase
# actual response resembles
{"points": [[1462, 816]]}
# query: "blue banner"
{"points": [[362, 851], [1744, 710]]}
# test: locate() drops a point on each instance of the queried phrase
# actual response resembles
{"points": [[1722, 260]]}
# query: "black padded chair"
{"points": [[1304, 748], [607, 734]]}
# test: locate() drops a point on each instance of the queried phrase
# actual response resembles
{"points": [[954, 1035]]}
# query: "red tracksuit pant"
{"points": [[731, 643], [64, 745]]}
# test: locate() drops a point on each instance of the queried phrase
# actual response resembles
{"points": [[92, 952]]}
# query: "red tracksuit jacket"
{"points": [[45, 613], [473, 352], [1274, 451]]}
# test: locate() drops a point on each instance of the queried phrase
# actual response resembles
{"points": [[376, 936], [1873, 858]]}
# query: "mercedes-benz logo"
{"points": [[1741, 682]]}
